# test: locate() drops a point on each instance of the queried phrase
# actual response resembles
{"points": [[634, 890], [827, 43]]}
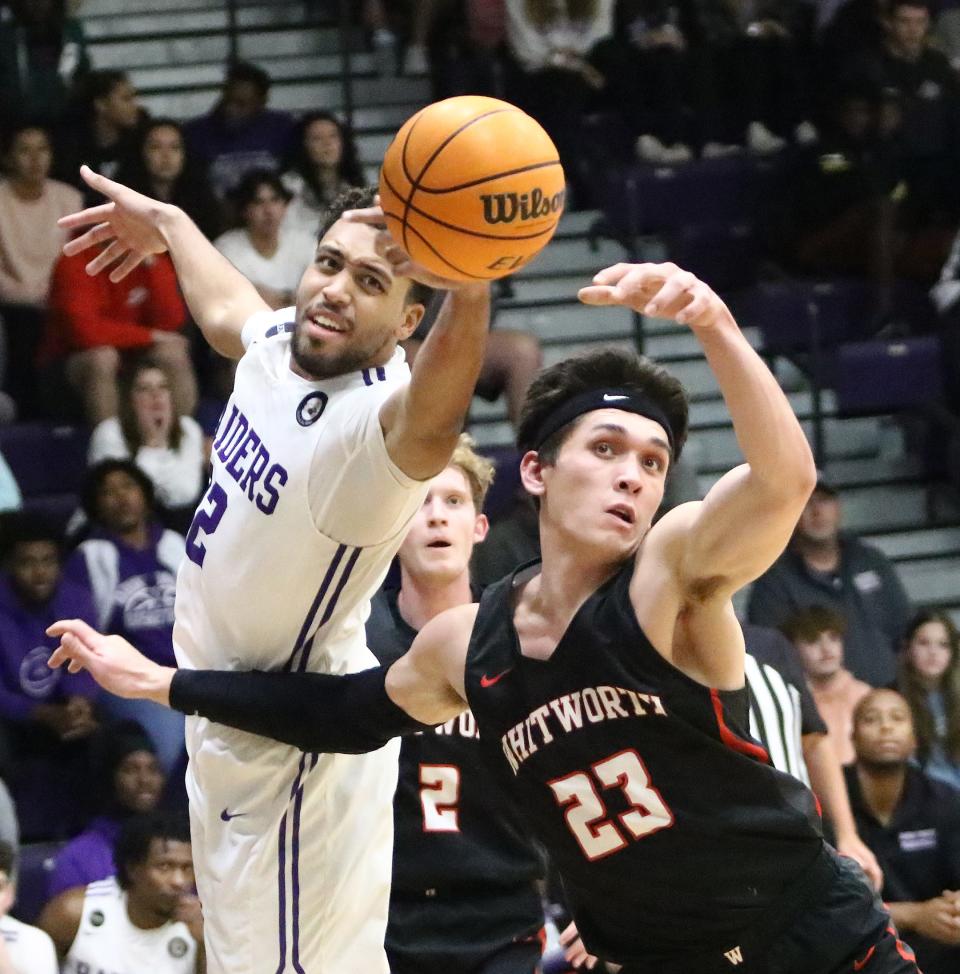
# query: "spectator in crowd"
{"points": [[324, 164], [129, 562], [905, 64], [270, 253], [464, 43], [166, 445], [454, 830], [550, 74], [240, 133], [106, 131], [30, 242], [94, 324], [23, 949], [48, 716], [10, 497], [42, 53], [147, 918], [847, 204], [929, 679], [823, 566], [817, 633], [784, 718], [160, 167], [912, 823], [9, 824], [128, 781]]}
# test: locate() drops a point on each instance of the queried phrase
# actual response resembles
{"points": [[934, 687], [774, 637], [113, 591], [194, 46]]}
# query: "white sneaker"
{"points": [[762, 141], [718, 150], [651, 149], [678, 153], [415, 60], [806, 133]]}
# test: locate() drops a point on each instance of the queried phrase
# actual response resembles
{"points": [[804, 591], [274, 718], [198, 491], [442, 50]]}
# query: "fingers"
{"points": [[100, 183], [131, 261], [598, 295], [77, 627], [569, 934], [83, 218], [106, 257], [99, 234], [611, 275], [371, 215]]}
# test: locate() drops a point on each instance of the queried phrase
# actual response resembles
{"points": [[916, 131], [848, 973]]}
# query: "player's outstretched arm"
{"points": [[131, 227], [348, 714], [422, 421], [747, 518]]}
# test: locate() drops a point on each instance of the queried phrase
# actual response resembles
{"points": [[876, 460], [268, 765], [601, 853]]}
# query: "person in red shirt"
{"points": [[94, 324]]}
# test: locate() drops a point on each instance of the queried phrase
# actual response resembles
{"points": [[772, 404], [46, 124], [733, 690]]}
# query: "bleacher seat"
{"points": [[36, 862]]}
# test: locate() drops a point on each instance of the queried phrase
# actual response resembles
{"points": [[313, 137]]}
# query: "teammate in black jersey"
{"points": [[463, 898], [608, 681]]}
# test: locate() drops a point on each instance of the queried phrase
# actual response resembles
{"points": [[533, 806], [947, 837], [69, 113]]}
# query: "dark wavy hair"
{"points": [[916, 693], [604, 369], [138, 832], [98, 473], [350, 170]]}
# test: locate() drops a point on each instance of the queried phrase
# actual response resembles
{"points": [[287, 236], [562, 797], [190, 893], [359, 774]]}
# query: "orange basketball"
{"points": [[472, 188]]}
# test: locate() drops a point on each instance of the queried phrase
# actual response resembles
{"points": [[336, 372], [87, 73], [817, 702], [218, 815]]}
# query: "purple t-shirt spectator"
{"points": [[133, 591], [25, 679], [87, 858], [231, 149]]}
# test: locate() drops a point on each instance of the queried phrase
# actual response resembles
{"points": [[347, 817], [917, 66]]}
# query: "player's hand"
{"points": [[190, 912], [577, 955], [127, 226], [939, 919], [658, 290], [402, 263], [853, 847], [111, 661]]}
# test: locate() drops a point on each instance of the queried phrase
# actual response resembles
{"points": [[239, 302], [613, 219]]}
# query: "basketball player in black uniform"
{"points": [[608, 681], [463, 898]]}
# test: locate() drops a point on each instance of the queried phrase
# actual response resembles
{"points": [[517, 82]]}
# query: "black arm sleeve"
{"points": [[349, 714]]}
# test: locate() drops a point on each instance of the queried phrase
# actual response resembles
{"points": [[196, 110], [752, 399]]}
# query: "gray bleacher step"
{"points": [[372, 146], [714, 413], [93, 9], [933, 580], [191, 20], [492, 434], [570, 256], [883, 469], [184, 51], [288, 97], [170, 74], [918, 543]]}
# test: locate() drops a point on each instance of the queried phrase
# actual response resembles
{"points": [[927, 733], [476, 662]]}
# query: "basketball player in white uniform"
{"points": [[134, 923], [320, 459]]}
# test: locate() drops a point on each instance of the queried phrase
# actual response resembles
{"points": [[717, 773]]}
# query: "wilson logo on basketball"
{"points": [[505, 207]]}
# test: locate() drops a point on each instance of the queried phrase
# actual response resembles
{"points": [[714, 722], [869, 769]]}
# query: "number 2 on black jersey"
{"points": [[439, 797], [586, 815]]}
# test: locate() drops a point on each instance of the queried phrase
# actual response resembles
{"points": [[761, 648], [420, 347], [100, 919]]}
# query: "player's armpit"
{"points": [[350, 714]]}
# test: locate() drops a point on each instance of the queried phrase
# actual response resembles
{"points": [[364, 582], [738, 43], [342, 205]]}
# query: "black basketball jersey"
{"points": [[454, 829], [670, 829]]}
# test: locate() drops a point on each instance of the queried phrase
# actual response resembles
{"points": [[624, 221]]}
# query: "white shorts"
{"points": [[292, 852]]}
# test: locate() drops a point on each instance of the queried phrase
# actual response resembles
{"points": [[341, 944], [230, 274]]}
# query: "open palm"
{"points": [[129, 226]]}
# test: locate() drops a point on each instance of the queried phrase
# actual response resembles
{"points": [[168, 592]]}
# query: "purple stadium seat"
{"points": [[45, 459], [887, 376], [36, 862]]}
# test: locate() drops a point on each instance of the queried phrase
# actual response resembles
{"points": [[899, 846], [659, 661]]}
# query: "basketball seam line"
{"points": [[415, 183], [476, 277], [492, 176]]}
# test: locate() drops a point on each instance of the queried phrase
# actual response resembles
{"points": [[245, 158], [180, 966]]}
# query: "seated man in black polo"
{"points": [[912, 824]]}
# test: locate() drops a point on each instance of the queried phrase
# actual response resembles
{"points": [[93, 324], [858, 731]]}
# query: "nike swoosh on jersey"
{"points": [[608, 398], [489, 681], [226, 816]]}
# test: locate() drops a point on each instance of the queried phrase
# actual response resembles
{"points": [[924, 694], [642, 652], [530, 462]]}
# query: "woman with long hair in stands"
{"points": [[929, 677], [168, 447], [324, 163]]}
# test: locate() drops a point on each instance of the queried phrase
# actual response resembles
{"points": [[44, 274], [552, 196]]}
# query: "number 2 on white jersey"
{"points": [[209, 513], [439, 796], [586, 815]]}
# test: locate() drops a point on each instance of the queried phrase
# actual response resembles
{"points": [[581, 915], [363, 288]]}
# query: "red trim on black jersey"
{"points": [[730, 739]]}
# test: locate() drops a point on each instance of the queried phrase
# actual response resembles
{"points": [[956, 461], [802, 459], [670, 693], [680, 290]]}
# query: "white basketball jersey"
{"points": [[304, 512], [30, 950], [108, 943]]}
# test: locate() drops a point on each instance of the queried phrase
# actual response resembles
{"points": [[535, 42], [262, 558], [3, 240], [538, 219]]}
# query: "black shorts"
{"points": [[492, 933], [842, 928]]}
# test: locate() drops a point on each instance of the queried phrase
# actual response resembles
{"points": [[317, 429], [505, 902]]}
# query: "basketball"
{"points": [[472, 188]]}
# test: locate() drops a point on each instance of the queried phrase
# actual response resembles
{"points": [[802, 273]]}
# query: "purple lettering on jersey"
{"points": [[223, 428], [236, 434], [277, 473], [246, 446], [255, 471]]}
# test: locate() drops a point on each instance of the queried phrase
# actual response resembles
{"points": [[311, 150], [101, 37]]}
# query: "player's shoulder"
{"points": [[262, 326], [449, 631]]}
